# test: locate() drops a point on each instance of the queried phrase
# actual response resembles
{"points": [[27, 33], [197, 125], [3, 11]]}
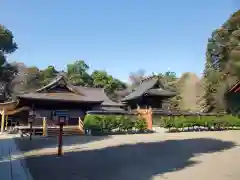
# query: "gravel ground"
{"points": [[181, 156]]}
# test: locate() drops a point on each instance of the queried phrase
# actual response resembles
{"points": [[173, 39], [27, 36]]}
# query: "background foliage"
{"points": [[222, 63]]}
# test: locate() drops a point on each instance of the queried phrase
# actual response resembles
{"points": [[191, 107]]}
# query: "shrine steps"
{"points": [[67, 131]]}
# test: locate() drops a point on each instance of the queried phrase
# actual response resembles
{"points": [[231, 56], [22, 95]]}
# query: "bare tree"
{"points": [[136, 77]]}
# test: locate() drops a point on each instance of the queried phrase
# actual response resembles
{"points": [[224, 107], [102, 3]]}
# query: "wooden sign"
{"points": [[61, 120], [31, 116], [61, 113]]}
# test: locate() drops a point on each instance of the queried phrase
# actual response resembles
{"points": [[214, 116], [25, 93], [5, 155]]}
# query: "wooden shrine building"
{"points": [[150, 93], [61, 98]]}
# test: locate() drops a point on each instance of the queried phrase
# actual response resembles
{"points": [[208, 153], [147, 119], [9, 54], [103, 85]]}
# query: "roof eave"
{"points": [[163, 95], [234, 87], [129, 99], [59, 100]]}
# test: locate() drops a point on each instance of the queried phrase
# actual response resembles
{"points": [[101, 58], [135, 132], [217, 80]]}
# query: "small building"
{"points": [[61, 98], [232, 99], [152, 92]]}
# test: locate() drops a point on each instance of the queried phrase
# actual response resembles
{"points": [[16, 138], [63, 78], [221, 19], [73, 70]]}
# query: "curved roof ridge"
{"points": [[98, 94], [58, 78], [54, 80], [88, 87], [149, 78], [141, 89], [108, 96], [109, 102]]}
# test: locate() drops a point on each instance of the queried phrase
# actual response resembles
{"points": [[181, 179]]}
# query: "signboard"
{"points": [[61, 113], [61, 120], [31, 116]]}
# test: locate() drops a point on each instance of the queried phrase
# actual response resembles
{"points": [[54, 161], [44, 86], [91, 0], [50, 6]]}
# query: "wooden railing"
{"points": [[51, 129]]}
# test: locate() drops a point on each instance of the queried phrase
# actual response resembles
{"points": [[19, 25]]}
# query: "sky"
{"points": [[119, 36]]}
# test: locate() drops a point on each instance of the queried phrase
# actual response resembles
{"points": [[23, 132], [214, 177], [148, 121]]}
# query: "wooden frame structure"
{"points": [[9, 108]]}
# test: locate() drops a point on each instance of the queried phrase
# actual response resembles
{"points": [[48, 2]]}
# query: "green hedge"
{"points": [[209, 122], [119, 123]]}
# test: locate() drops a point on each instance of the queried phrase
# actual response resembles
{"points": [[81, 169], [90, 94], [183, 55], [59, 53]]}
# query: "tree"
{"points": [[7, 46], [26, 79], [222, 63], [45, 76], [137, 77], [77, 72], [104, 80], [169, 78]]}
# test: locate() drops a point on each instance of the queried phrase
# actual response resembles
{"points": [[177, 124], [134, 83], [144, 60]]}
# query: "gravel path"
{"points": [[194, 155]]}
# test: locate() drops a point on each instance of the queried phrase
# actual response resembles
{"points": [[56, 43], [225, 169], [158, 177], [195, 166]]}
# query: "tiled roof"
{"points": [[77, 93], [57, 79], [97, 94], [146, 87], [141, 89], [161, 92], [59, 97], [124, 92]]}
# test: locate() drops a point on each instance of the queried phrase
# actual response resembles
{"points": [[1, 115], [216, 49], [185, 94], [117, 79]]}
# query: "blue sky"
{"points": [[119, 36]]}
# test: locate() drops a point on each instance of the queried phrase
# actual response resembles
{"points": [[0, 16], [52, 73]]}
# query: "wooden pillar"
{"points": [[146, 114], [60, 141], [6, 122], [45, 128], [80, 124], [149, 121], [3, 120], [31, 130]]}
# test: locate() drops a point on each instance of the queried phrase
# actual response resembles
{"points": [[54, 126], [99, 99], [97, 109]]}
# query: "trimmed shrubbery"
{"points": [[107, 124], [186, 123], [114, 123]]}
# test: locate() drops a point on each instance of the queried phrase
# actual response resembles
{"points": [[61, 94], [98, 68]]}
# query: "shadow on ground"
{"points": [[37, 143], [129, 162]]}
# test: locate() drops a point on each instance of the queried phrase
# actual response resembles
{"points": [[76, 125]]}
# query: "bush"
{"points": [[108, 123], [197, 122], [93, 122], [140, 125], [159, 121], [126, 123]]}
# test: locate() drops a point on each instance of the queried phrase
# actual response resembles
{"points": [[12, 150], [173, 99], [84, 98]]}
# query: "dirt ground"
{"points": [[176, 156]]}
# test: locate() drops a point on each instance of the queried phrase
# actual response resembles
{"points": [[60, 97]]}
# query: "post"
{"points": [[6, 122], [45, 128], [31, 118], [30, 123], [80, 124], [149, 116], [60, 140], [2, 123]]}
